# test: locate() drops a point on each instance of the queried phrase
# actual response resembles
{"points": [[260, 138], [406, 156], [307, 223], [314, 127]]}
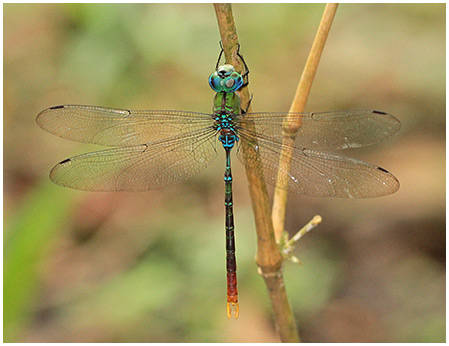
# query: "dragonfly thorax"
{"points": [[223, 121], [224, 124], [225, 79]]}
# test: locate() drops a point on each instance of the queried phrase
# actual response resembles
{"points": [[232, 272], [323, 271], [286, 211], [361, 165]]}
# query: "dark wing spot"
{"points": [[57, 107], [64, 161], [302, 152], [382, 169], [379, 112]]}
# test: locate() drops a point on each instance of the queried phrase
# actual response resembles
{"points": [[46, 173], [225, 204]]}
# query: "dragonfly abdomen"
{"points": [[228, 138]]}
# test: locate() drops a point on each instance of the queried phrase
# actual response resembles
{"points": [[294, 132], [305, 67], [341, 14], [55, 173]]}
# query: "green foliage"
{"points": [[28, 240]]}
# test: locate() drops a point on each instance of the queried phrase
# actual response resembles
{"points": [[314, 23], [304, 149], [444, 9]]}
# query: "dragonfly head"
{"points": [[225, 78]]}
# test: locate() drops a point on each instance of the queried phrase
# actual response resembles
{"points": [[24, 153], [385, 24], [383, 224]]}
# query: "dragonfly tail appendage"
{"points": [[232, 307]]}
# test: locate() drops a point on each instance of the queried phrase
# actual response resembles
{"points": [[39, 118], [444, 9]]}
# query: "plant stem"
{"points": [[298, 105], [268, 258]]}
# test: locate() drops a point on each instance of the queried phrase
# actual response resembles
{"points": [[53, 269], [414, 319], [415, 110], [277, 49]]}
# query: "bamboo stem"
{"points": [[268, 258], [298, 105]]}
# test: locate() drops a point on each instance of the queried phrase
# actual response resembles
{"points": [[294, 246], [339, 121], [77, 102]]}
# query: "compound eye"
{"points": [[215, 82], [230, 82], [234, 82], [226, 79]]}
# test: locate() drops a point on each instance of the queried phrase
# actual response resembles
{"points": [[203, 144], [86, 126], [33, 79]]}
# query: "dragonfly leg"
{"points": [[244, 111], [219, 56], [245, 74]]}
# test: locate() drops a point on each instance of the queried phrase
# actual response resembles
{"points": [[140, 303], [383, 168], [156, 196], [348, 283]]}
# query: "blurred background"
{"points": [[150, 267]]}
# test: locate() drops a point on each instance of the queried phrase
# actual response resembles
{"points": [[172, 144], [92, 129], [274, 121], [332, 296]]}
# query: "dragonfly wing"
{"points": [[325, 130], [138, 168], [320, 174], [118, 127]]}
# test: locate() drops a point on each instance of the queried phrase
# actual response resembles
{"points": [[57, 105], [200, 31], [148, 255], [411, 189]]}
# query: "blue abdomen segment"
{"points": [[228, 140]]}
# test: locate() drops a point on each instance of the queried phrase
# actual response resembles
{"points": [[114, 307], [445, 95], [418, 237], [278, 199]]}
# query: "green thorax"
{"points": [[226, 103]]}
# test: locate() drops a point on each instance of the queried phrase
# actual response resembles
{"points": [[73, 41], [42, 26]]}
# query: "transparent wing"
{"points": [[320, 174], [326, 130], [118, 127], [138, 168]]}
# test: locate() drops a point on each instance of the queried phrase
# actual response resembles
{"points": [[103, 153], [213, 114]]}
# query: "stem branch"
{"points": [[298, 105]]}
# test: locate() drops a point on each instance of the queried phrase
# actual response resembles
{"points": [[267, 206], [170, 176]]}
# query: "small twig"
{"points": [[288, 245], [298, 105], [307, 228], [268, 258]]}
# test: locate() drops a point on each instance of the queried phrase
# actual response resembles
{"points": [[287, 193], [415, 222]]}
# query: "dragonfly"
{"points": [[158, 148]]}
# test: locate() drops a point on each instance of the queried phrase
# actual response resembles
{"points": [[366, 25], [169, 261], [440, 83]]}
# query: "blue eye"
{"points": [[226, 79]]}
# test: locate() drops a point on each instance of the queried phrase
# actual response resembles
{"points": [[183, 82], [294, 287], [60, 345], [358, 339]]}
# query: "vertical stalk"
{"points": [[298, 105], [268, 258]]}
